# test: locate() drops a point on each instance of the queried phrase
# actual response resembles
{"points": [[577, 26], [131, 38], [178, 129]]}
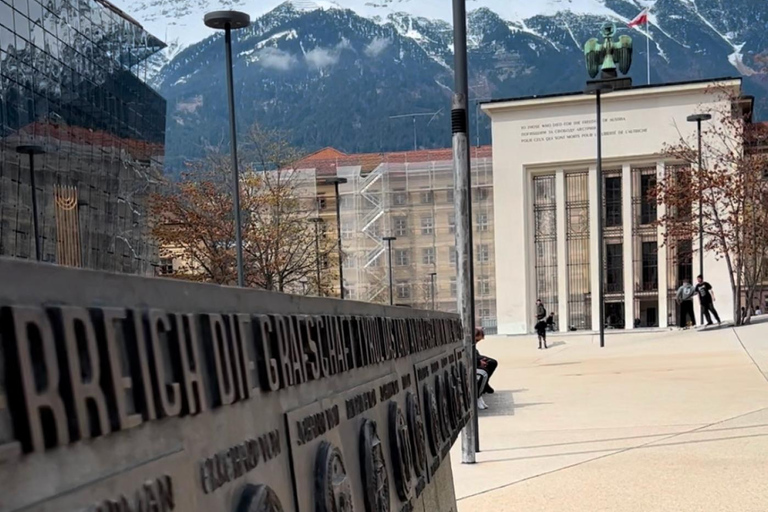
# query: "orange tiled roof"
{"points": [[328, 160]]}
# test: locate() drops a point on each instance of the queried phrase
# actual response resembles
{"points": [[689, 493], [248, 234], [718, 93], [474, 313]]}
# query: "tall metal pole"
{"points": [[701, 205], [470, 442], [317, 222], [235, 171], [35, 221], [338, 234], [229, 20], [432, 277], [31, 151], [600, 248], [415, 142], [389, 240]]}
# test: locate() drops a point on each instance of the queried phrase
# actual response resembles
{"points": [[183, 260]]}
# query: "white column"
{"points": [[663, 250], [562, 255], [628, 249], [594, 262]]}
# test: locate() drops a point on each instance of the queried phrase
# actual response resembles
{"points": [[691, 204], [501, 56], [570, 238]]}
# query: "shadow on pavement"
{"points": [[502, 403]]}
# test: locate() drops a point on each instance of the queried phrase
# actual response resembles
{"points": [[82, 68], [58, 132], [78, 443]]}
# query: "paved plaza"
{"points": [[662, 421]]}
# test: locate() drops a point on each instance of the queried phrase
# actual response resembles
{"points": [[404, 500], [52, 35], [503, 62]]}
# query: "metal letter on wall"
{"points": [[67, 226]]}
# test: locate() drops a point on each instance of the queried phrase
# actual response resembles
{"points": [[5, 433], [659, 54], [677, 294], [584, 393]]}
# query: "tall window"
{"points": [[322, 203], [614, 268], [481, 194], [482, 222], [650, 266], [452, 223], [647, 203], [427, 197], [612, 201], [449, 196], [402, 257], [545, 240], [400, 198], [452, 256], [483, 254], [427, 225], [403, 290], [401, 226], [453, 287], [484, 286], [428, 256], [577, 250]]}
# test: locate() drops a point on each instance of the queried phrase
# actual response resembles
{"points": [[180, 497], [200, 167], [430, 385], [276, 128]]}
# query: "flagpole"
{"points": [[648, 45]]}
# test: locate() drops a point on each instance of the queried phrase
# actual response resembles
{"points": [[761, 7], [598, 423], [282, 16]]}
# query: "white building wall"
{"points": [[547, 134]]}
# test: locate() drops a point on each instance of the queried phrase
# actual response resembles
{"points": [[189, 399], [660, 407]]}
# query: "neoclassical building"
{"points": [[545, 184]]}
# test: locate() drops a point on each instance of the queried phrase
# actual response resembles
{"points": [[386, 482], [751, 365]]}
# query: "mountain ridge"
{"points": [[331, 77]]}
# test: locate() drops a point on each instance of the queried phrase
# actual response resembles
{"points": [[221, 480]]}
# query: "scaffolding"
{"points": [[409, 196]]}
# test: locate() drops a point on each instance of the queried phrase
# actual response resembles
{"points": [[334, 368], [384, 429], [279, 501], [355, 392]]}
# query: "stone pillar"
{"points": [[562, 254], [628, 247], [594, 263], [663, 250]]}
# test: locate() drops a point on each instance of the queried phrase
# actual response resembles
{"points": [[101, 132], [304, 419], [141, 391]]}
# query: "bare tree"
{"points": [[734, 191], [281, 248]]}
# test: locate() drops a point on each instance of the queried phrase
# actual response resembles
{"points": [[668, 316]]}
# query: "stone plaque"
{"points": [[127, 394]]}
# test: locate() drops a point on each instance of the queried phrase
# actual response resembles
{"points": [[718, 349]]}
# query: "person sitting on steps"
{"points": [[487, 365]]}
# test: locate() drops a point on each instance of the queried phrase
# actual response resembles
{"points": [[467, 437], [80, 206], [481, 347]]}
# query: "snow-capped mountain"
{"points": [[334, 76], [182, 20]]}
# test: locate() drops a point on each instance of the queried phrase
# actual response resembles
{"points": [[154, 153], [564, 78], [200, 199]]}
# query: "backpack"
{"points": [[688, 292]]}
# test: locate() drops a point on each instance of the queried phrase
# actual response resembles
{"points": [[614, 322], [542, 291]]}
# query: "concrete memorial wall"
{"points": [[128, 394]]}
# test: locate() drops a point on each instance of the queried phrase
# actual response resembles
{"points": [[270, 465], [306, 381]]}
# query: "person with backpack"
{"points": [[707, 300], [685, 296]]}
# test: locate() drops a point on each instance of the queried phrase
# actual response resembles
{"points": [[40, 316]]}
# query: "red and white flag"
{"points": [[640, 19]]}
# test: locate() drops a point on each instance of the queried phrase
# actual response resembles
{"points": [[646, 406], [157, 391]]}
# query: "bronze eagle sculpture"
{"points": [[609, 55]]}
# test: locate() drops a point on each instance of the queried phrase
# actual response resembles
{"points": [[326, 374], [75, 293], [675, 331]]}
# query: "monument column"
{"points": [[594, 262], [562, 254], [663, 258], [628, 246]]}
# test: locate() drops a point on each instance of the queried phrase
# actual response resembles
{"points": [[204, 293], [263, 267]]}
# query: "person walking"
{"points": [[685, 296], [485, 368], [707, 300]]}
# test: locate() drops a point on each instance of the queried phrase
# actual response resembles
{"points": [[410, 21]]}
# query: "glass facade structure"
{"points": [[71, 83]]}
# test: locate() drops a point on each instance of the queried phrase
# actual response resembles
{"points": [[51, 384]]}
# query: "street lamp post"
{"points": [[389, 240], [229, 20], [698, 118], [317, 221], [336, 181], [598, 87], [432, 277], [32, 151], [303, 282]]}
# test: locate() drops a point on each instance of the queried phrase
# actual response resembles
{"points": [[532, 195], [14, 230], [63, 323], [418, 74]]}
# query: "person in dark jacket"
{"points": [[684, 297], [707, 300], [541, 311], [487, 365]]}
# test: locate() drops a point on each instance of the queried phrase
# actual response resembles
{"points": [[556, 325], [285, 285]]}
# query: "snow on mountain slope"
{"points": [[182, 20]]}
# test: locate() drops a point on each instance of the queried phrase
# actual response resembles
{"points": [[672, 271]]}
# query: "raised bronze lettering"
{"points": [[121, 389], [41, 393], [269, 375], [84, 372], [167, 391], [195, 397]]}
